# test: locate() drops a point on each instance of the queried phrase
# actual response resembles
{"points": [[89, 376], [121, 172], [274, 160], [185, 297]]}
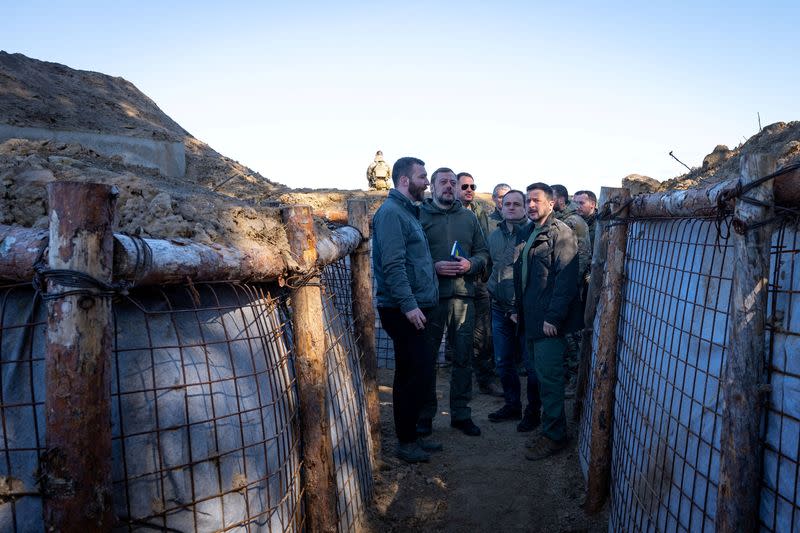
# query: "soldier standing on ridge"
{"points": [[379, 173]]}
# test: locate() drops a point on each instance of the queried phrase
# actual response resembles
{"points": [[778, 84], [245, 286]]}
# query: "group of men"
{"points": [[503, 286]]}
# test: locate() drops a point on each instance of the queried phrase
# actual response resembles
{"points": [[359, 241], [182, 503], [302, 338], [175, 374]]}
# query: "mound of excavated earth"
{"points": [[781, 140]]}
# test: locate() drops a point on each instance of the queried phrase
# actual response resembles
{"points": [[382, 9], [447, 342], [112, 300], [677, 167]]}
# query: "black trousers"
{"points": [[413, 370]]}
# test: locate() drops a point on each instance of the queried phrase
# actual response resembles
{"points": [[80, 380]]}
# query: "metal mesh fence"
{"points": [[672, 343], [204, 409], [780, 488], [672, 338], [347, 402]]}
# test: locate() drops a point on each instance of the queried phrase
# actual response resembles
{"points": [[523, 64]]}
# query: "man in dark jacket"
{"points": [[445, 223], [546, 291], [503, 251], [407, 293]]}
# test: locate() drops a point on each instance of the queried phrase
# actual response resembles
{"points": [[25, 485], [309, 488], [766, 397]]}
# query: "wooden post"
{"points": [[364, 318], [319, 482], [605, 370], [76, 465], [739, 491]]}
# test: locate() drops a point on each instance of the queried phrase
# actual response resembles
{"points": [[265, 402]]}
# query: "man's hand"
{"points": [[513, 317], [465, 265], [448, 268], [417, 318], [549, 330], [452, 268]]}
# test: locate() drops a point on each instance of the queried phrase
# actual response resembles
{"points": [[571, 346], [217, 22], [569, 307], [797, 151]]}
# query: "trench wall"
{"points": [[672, 345], [205, 415]]}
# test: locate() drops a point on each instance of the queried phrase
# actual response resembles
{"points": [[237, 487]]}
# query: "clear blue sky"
{"points": [[581, 93]]}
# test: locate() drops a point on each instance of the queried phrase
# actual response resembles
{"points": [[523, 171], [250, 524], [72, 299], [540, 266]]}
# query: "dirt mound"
{"points": [[781, 139], [217, 200]]}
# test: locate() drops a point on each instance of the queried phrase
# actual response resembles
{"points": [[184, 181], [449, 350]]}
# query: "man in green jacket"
{"points": [[407, 294], [447, 223], [546, 294]]}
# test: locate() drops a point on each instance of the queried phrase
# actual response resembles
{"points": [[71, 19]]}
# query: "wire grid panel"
{"points": [[22, 327], [585, 426], [347, 405], [780, 489], [671, 346], [203, 406]]}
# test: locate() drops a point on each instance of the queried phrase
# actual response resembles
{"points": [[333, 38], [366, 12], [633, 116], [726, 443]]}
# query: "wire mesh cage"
{"points": [[671, 349], [204, 409]]}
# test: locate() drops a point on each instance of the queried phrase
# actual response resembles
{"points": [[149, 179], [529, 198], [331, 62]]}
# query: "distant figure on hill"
{"points": [[379, 173]]}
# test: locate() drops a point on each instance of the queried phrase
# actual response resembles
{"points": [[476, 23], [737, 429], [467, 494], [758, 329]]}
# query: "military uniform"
{"points": [[379, 173], [483, 358], [578, 225]]}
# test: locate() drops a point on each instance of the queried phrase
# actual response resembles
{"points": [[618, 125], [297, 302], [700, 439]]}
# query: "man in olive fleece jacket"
{"points": [[407, 294], [446, 221]]}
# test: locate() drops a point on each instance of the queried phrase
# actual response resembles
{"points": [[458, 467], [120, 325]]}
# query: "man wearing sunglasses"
{"points": [[483, 358]]}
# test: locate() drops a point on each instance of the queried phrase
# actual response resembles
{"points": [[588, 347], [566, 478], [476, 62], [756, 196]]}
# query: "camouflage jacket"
{"points": [[574, 220]]}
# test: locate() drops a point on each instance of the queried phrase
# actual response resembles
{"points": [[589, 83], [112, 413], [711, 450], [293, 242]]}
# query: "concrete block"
{"points": [[167, 157]]}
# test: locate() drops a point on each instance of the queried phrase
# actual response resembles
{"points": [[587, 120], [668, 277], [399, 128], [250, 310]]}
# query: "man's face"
{"points": [[585, 205], [559, 203], [466, 190], [418, 182], [498, 197], [444, 187], [513, 208], [539, 207]]}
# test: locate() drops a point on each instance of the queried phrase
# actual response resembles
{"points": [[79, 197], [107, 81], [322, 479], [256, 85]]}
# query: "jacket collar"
{"points": [[517, 226], [431, 207], [399, 197]]}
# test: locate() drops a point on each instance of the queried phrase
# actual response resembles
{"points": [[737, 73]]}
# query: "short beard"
{"points": [[447, 203], [416, 192]]}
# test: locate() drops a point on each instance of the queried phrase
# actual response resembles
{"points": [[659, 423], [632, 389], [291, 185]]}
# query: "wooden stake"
{"points": [[319, 483], [605, 370], [364, 318], [76, 465], [593, 294], [739, 491]]}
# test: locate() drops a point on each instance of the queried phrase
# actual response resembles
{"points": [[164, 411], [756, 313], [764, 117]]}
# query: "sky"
{"points": [[577, 93]]}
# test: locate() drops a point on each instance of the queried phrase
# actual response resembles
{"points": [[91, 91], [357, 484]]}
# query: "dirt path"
{"points": [[477, 483]]}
